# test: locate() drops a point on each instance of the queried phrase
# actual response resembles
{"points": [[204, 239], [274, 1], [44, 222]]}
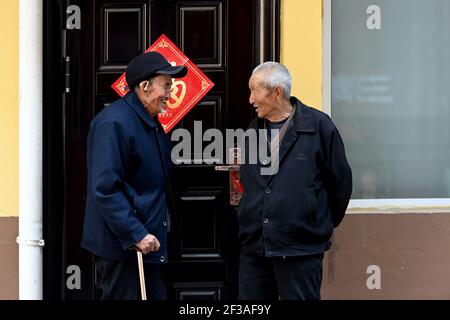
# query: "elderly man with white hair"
{"points": [[286, 219]]}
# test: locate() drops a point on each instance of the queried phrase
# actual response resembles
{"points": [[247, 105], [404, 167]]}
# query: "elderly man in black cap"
{"points": [[128, 183]]}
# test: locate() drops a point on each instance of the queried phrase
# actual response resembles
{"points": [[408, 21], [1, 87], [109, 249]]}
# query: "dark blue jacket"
{"points": [[126, 187], [294, 211]]}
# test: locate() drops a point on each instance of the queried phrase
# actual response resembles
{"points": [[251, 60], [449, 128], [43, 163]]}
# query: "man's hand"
{"points": [[149, 244]]}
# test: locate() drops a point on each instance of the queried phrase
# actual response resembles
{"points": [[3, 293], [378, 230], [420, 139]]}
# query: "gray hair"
{"points": [[276, 75]]}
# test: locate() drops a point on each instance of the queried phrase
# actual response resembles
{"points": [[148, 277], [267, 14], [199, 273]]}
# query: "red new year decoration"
{"points": [[186, 91]]}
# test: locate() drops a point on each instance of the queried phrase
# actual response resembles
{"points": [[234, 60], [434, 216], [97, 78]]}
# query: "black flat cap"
{"points": [[149, 64]]}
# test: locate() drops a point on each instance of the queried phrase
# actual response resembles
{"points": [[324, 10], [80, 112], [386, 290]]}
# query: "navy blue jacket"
{"points": [[126, 187], [295, 211]]}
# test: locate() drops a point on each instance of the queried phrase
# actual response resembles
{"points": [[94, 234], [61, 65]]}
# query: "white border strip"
{"points": [[431, 205]]}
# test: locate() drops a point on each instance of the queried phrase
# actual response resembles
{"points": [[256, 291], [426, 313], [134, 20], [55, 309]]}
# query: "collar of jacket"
{"points": [[134, 102], [303, 119]]}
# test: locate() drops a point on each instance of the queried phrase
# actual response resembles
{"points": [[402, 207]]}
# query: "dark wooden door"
{"points": [[223, 39]]}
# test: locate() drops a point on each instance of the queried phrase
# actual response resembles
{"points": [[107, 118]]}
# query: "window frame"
{"points": [[388, 205]]}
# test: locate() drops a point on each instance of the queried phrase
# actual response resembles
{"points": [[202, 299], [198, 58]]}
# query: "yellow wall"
{"points": [[301, 48], [9, 108]]}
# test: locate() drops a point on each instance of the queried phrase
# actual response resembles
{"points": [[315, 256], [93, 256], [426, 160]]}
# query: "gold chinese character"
{"points": [[177, 94]]}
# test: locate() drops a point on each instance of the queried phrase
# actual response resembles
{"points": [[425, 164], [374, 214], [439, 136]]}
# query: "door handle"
{"points": [[236, 188], [231, 167]]}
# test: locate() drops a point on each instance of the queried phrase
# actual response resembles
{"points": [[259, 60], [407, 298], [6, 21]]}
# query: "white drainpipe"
{"points": [[30, 149]]}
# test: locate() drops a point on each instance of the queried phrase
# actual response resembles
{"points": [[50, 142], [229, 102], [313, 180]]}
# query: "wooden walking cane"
{"points": [[141, 274]]}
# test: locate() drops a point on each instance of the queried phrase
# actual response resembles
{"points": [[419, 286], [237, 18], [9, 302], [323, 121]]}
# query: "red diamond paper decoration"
{"points": [[186, 91]]}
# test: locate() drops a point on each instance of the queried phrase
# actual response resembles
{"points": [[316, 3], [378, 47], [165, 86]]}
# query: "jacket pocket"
{"points": [[131, 196]]}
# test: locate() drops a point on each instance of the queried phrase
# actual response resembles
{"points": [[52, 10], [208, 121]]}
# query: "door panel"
{"points": [[199, 25], [219, 37]]}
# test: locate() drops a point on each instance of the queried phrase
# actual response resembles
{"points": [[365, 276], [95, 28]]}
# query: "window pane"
{"points": [[391, 96]]}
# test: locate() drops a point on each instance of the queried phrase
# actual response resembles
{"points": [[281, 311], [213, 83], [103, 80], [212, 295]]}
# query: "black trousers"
{"points": [[119, 280], [286, 278]]}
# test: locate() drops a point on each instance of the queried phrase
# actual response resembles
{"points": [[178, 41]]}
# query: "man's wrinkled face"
{"points": [[157, 94], [262, 98]]}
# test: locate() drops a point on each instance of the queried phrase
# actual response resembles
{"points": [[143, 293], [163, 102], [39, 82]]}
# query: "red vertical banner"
{"points": [[186, 92]]}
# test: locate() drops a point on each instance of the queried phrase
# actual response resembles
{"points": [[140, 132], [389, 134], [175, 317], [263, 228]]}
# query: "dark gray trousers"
{"points": [[272, 278], [119, 280]]}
